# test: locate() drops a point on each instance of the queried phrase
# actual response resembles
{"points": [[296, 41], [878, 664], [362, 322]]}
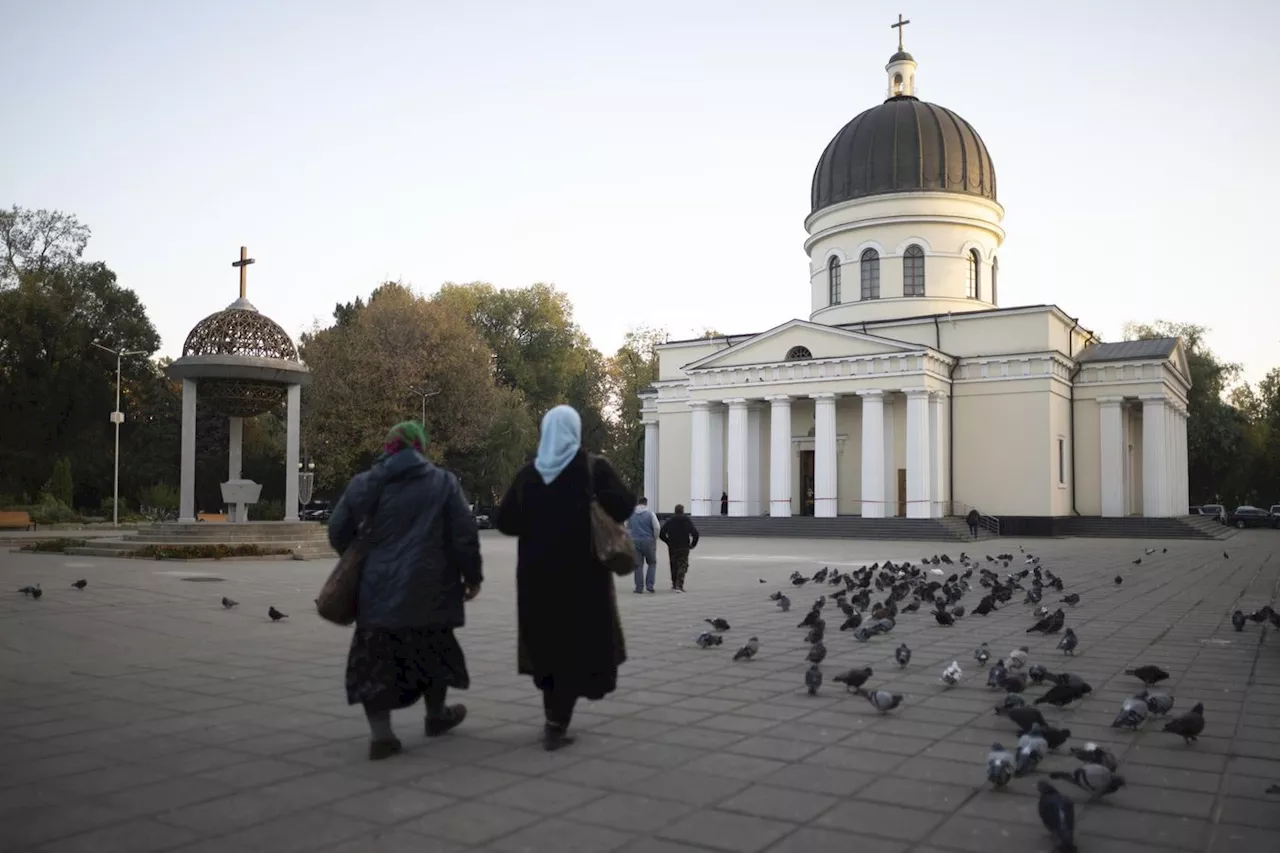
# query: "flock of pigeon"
{"points": [[905, 588], [34, 591]]}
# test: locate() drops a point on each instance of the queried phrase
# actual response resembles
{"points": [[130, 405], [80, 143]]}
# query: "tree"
{"points": [[36, 241], [633, 368], [60, 486]]}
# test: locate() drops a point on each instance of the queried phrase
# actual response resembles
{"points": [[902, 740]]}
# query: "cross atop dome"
{"points": [[898, 26], [901, 67]]}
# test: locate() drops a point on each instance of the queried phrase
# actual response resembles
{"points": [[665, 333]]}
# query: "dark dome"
{"points": [[903, 145], [900, 55]]}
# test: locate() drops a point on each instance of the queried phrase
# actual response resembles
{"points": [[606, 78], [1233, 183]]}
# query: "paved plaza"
{"points": [[138, 716]]}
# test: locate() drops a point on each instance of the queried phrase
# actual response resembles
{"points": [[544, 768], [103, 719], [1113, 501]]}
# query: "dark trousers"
{"points": [[973, 529], [433, 696], [558, 706], [679, 560]]}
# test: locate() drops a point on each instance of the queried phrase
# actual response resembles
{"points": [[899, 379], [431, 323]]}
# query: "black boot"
{"points": [[451, 718], [554, 737]]}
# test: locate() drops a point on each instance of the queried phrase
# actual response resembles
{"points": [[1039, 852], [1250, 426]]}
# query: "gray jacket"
{"points": [[423, 544]]}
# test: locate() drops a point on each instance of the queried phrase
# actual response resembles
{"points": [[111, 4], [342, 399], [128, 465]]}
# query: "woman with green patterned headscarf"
{"points": [[423, 562]]}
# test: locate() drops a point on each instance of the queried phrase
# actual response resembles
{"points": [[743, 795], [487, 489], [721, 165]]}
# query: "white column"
{"points": [[700, 439], [1183, 494], [825, 473], [918, 442], [235, 455], [1155, 498], [890, 500], [938, 498], [779, 456], [1111, 455], [716, 458], [187, 473], [755, 459], [737, 457], [293, 426], [651, 463], [1171, 454], [873, 469]]}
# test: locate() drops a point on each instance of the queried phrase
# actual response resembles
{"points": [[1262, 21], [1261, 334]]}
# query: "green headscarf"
{"points": [[406, 434]]}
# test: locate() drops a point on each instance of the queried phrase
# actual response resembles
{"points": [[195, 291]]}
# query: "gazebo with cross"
{"points": [[242, 364]]}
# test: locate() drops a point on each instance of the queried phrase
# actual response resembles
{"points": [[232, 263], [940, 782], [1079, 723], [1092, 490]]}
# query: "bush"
{"points": [[205, 552], [52, 511], [161, 496], [53, 546], [266, 511], [60, 485]]}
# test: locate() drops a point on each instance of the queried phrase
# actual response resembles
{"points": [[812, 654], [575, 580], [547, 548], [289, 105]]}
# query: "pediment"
{"points": [[821, 341]]}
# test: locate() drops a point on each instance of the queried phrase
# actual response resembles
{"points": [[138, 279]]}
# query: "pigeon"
{"points": [[1013, 683], [813, 679], [999, 766], [1072, 599], [80, 584], [1149, 551], [717, 623], [1159, 704], [1138, 562], [276, 615], [982, 654], [706, 640], [863, 634], [1069, 642], [1226, 556], [762, 580], [1018, 658], [228, 603], [1031, 748], [854, 620], [1013, 700], [31, 591], [1273, 789], [1094, 779], [748, 651], [944, 618], [902, 655], [1091, 753], [853, 679], [36, 592], [784, 603], [817, 653], [1148, 674], [1188, 726], [809, 618], [1237, 620], [1058, 814], [996, 674], [1119, 580], [1037, 673], [1133, 713], [1051, 624], [1055, 737], [1060, 695], [1023, 718], [816, 632], [951, 675], [884, 701]]}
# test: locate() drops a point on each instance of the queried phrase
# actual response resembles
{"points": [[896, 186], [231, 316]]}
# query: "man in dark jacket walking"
{"points": [[681, 538], [422, 563]]}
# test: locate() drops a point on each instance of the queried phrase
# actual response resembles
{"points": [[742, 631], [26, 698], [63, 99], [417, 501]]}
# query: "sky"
{"points": [[652, 160]]}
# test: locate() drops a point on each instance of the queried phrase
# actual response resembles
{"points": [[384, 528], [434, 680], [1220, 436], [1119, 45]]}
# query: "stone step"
{"points": [[245, 536], [126, 555], [127, 546], [842, 527], [1181, 527]]}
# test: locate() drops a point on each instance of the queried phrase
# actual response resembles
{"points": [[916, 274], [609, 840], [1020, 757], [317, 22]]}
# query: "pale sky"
{"points": [[651, 159]]}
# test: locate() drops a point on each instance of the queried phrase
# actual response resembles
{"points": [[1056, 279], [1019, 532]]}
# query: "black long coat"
{"points": [[570, 634]]}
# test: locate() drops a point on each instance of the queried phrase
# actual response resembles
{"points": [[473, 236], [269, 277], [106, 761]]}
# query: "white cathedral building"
{"points": [[909, 390]]}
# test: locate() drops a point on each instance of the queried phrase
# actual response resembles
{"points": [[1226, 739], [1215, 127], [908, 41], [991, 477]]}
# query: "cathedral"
{"points": [[910, 390]]}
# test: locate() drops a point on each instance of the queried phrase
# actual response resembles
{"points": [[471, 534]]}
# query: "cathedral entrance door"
{"points": [[806, 482], [902, 493]]}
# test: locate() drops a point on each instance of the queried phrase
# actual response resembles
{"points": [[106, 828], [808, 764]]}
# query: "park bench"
{"points": [[212, 516], [16, 519]]}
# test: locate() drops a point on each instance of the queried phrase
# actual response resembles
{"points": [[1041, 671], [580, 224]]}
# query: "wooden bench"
{"points": [[16, 520], [211, 516]]}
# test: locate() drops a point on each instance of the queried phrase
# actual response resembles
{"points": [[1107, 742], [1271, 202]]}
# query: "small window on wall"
{"points": [[799, 354], [1062, 461], [833, 281], [972, 289], [870, 274], [995, 273], [913, 271]]}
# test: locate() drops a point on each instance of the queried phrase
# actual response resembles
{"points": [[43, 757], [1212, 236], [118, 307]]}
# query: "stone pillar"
{"points": [[235, 455], [1155, 497], [700, 439], [1182, 495], [187, 472], [918, 442], [291, 448], [651, 463], [890, 499], [715, 458], [825, 471], [779, 456], [755, 460], [737, 457], [939, 500], [873, 441], [1111, 455]]}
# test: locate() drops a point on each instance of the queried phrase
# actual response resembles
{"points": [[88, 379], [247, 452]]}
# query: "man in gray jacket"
{"points": [[644, 528]]}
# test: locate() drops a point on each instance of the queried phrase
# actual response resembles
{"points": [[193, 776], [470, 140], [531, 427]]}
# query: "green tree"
{"points": [[61, 488], [632, 369], [36, 241]]}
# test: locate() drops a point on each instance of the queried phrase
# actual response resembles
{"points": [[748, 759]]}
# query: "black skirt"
{"points": [[390, 669]]}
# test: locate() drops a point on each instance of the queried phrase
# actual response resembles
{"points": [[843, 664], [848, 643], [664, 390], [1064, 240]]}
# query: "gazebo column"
{"points": [[291, 446], [187, 474], [235, 456]]}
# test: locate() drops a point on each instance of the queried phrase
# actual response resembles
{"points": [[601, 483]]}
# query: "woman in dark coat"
{"points": [[570, 637], [423, 561], [972, 520]]}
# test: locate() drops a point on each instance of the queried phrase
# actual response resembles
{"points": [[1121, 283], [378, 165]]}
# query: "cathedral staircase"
{"points": [[1180, 527], [308, 539], [841, 527]]}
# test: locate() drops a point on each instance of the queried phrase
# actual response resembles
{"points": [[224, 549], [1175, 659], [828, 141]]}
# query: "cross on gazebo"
{"points": [[898, 26], [243, 264]]}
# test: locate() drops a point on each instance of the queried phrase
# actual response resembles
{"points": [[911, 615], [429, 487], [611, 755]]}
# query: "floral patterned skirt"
{"points": [[390, 669]]}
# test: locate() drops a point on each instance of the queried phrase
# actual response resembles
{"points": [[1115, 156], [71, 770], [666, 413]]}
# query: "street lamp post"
{"points": [[424, 395], [306, 482], [117, 418]]}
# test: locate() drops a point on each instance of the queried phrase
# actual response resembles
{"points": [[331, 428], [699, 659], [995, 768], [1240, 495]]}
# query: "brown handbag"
{"points": [[338, 601], [609, 539]]}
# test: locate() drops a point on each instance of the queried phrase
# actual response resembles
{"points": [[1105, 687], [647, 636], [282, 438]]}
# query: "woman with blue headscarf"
{"points": [[570, 635]]}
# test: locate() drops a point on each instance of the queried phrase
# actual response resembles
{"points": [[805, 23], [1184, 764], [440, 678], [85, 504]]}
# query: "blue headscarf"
{"points": [[560, 442]]}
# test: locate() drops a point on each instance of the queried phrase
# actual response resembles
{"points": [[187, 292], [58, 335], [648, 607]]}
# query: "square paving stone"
{"points": [[985, 836], [734, 766], [135, 836], [725, 831], [605, 774], [1158, 830], [819, 779], [810, 840], [543, 796], [165, 796], [778, 803], [391, 805], [863, 818], [465, 782], [630, 812], [779, 749], [696, 789], [476, 823], [563, 836]]}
